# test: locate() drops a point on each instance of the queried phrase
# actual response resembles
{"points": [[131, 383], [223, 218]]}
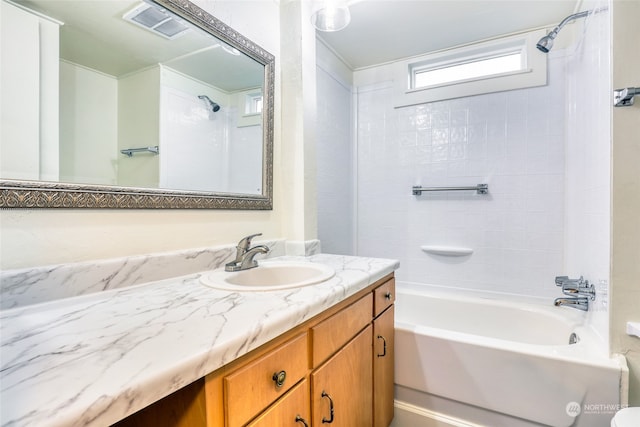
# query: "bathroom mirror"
{"points": [[131, 104]]}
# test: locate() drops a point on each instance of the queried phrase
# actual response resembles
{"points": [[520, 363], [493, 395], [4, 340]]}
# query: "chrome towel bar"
{"points": [[129, 151], [624, 97], [480, 189]]}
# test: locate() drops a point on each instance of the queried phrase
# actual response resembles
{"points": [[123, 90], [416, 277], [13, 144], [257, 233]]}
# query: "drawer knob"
{"points": [[299, 419], [279, 378], [388, 296]]}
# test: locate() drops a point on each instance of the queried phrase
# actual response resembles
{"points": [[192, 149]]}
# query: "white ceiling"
{"points": [[94, 35], [380, 31], [386, 30]]}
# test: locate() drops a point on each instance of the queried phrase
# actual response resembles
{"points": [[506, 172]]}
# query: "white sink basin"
{"points": [[269, 276]]}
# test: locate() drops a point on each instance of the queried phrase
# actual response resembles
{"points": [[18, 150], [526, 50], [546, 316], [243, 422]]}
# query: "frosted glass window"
{"points": [[507, 63], [483, 67]]}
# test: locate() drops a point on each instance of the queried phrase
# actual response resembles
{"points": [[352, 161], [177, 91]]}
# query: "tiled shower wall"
{"points": [[334, 163], [513, 141], [589, 160], [544, 152]]}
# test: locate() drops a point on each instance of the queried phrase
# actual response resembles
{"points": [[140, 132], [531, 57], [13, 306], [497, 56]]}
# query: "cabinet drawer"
{"points": [[384, 296], [291, 411], [331, 334], [252, 388]]}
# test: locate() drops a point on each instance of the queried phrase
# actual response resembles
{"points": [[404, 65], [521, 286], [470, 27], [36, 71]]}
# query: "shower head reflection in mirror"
{"points": [[214, 106]]}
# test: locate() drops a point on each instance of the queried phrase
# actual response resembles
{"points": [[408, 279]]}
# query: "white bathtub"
{"points": [[465, 361]]}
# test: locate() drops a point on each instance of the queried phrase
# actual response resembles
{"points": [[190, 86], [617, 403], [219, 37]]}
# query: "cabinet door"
{"points": [[341, 389], [383, 355], [292, 410]]}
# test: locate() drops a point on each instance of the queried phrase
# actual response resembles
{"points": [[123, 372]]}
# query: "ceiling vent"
{"points": [[158, 21]]}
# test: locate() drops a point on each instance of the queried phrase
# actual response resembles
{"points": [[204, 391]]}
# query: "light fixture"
{"points": [[331, 15], [230, 50]]}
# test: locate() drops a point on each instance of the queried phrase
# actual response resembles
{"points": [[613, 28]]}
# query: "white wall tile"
{"points": [[587, 232], [334, 150], [504, 139], [515, 141]]}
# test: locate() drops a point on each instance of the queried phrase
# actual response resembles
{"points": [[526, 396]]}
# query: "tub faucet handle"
{"points": [[565, 281], [580, 292], [560, 280], [582, 288]]}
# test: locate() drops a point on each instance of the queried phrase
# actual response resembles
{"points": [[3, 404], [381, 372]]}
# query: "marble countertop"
{"points": [[92, 360]]}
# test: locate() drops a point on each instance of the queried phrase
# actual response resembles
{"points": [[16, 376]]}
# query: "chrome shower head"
{"points": [[546, 43], [214, 107]]}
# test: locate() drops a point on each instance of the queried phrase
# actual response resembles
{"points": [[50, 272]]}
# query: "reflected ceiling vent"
{"points": [[156, 20]]}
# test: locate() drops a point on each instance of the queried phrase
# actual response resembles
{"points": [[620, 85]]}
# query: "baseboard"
{"points": [[407, 415]]}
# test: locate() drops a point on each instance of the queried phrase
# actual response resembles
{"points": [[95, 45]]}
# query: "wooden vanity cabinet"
{"points": [[335, 367], [383, 353]]}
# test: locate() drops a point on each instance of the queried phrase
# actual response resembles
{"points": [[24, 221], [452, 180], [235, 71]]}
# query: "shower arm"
{"points": [[568, 19], [546, 43]]}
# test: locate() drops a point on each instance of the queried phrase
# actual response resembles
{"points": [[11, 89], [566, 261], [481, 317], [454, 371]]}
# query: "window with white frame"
{"points": [[253, 103], [498, 65], [250, 105]]}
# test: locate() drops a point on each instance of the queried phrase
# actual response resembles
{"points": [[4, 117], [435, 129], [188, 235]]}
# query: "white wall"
{"points": [[193, 143], [139, 126], [193, 139], [29, 102], [514, 141], [335, 158], [625, 234], [88, 125], [298, 94], [245, 161]]}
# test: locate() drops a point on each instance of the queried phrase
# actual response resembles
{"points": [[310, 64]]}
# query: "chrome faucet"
{"points": [[245, 254], [581, 303], [579, 291]]}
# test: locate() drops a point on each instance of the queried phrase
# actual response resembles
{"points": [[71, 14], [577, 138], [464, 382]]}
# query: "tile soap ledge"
{"points": [[446, 250]]}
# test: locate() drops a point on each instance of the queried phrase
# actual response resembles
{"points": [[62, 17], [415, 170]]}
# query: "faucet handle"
{"points": [[245, 242], [565, 281]]}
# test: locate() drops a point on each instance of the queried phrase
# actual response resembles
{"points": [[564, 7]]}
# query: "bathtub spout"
{"points": [[581, 303]]}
